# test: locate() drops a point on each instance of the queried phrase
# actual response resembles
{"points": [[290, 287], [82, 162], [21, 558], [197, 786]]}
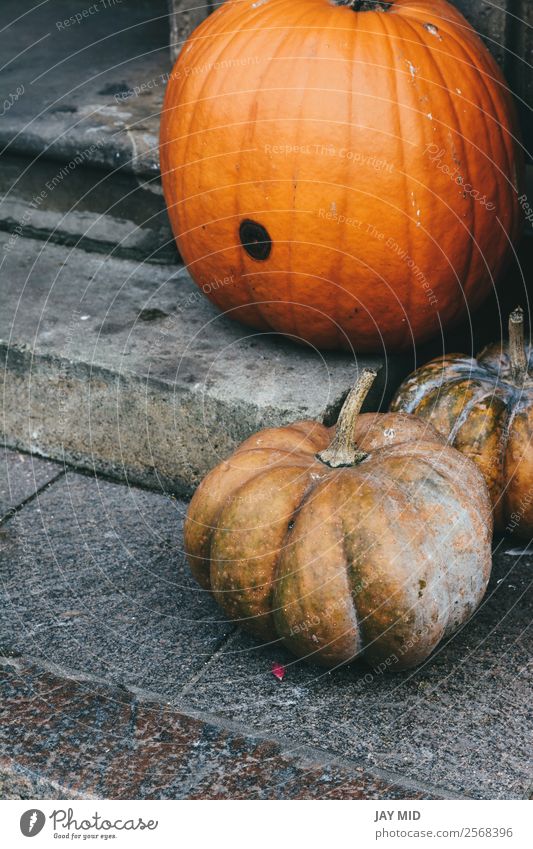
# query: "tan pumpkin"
{"points": [[372, 538], [484, 407], [344, 172]]}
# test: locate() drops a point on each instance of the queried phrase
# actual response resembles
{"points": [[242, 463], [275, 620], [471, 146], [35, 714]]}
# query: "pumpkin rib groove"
{"points": [[212, 521], [395, 504], [297, 574], [293, 183], [262, 478], [349, 568], [436, 387], [475, 451], [468, 408], [316, 491], [405, 296], [230, 594], [369, 478]]}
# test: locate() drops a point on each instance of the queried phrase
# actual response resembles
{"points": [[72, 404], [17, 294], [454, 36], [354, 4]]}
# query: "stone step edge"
{"points": [[113, 423], [294, 754]]}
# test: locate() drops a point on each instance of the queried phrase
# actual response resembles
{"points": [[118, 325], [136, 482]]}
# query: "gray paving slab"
{"points": [[464, 720], [93, 578], [127, 368], [21, 475]]}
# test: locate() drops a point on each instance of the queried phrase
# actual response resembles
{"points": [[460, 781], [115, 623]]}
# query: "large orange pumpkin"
{"points": [[347, 174], [372, 538]]}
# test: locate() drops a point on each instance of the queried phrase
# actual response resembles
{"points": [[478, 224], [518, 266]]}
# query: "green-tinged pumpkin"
{"points": [[370, 538], [484, 407]]}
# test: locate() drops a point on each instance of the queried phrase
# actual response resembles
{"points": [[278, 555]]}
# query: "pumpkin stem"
{"points": [[343, 451], [517, 346], [366, 5]]}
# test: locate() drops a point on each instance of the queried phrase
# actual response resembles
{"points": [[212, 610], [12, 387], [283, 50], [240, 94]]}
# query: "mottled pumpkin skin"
{"points": [[383, 559], [377, 149], [480, 410]]}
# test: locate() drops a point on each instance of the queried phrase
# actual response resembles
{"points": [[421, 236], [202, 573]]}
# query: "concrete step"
{"points": [[127, 368], [84, 83], [102, 211]]}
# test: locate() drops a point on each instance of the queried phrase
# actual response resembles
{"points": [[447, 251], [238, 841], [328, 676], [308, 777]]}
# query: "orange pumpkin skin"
{"points": [[487, 414], [377, 149], [382, 559]]}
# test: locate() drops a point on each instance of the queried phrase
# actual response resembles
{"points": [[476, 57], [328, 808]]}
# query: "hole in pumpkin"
{"points": [[255, 239]]}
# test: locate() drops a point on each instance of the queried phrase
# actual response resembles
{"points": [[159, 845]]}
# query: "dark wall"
{"points": [[507, 28]]}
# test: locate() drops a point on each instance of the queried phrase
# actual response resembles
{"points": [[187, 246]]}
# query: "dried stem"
{"points": [[343, 451], [366, 5], [517, 346]]}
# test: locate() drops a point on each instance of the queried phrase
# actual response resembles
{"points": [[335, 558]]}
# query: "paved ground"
{"points": [[119, 675], [121, 678]]}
